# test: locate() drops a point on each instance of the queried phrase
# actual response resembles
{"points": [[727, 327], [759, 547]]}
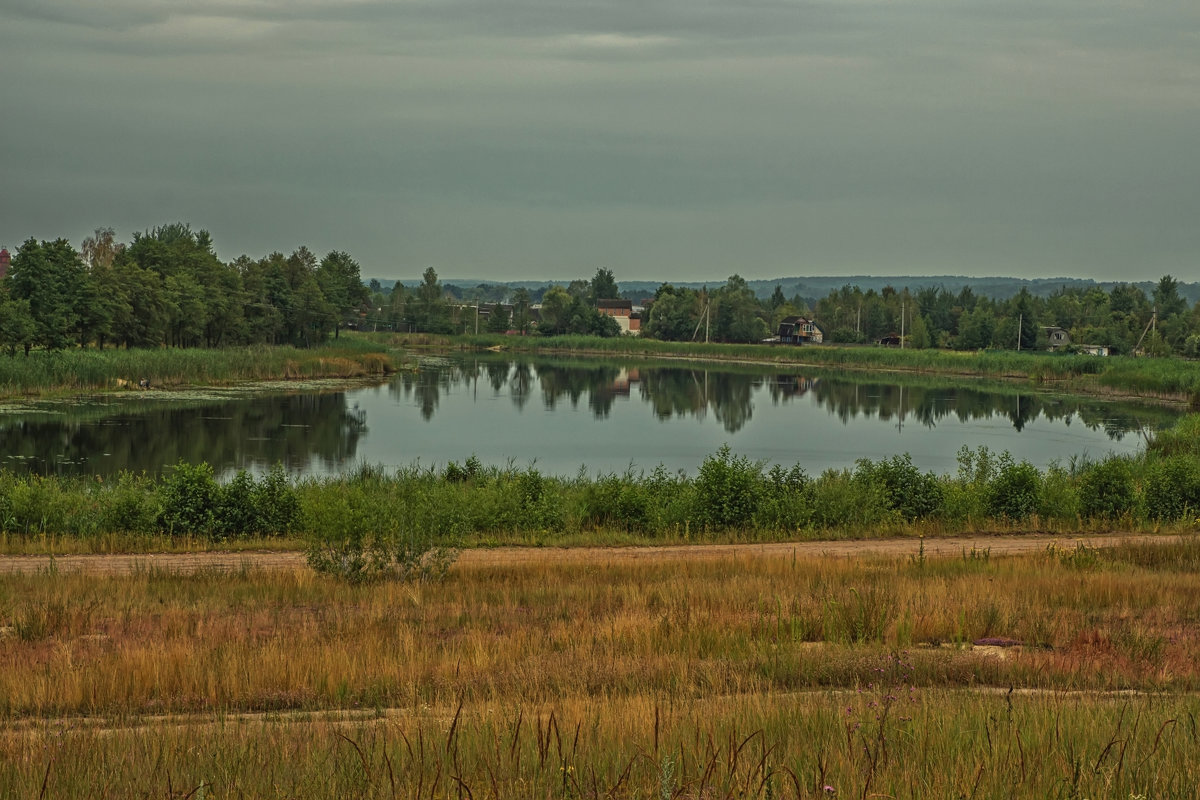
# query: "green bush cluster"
{"points": [[187, 501], [193, 502]]}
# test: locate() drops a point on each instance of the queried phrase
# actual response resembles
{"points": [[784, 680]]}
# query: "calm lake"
{"points": [[561, 415]]}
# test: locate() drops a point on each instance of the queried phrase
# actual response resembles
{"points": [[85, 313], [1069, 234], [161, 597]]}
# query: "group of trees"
{"points": [[430, 307], [167, 287], [1121, 318], [1162, 322], [730, 313]]}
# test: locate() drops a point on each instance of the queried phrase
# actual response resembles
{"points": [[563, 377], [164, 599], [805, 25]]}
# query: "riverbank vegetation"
{"points": [[1068, 672], [729, 498], [78, 370]]}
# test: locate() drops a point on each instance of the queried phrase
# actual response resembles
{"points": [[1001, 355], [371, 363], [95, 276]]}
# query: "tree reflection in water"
{"points": [[314, 431], [255, 433], [675, 392]]}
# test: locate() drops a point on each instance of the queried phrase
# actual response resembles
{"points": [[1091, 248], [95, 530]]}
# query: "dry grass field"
{"points": [[1070, 671]]}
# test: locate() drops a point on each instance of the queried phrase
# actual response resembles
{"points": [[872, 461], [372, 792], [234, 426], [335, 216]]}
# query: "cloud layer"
{"points": [[663, 140]]}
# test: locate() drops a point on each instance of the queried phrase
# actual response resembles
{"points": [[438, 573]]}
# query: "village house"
{"points": [[623, 311], [1057, 337], [799, 330]]}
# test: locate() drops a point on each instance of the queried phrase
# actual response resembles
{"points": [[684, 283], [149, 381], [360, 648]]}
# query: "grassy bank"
{"points": [[1171, 379], [743, 677], [728, 498], [69, 371]]}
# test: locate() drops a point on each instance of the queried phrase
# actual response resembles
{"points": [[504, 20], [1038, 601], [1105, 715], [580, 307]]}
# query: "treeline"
{"points": [[167, 287], [1123, 319], [729, 497], [430, 307]]}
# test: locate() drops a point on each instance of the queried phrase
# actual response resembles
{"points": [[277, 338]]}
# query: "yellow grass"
{"points": [[746, 676]]}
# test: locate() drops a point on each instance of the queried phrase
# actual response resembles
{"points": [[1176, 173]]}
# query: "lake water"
{"points": [[561, 415]]}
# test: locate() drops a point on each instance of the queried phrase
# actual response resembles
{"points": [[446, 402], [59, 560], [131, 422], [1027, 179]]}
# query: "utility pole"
{"points": [[1020, 326], [902, 308], [1151, 325]]}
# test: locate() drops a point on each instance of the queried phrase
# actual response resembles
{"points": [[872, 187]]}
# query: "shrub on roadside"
{"points": [[787, 499], [129, 505], [1172, 488], [903, 488], [1106, 489], [728, 490], [1059, 498], [840, 501], [369, 531], [616, 501], [1014, 489], [276, 502], [188, 495]]}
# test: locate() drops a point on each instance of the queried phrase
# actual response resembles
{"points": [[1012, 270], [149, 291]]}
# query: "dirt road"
{"points": [[505, 556]]}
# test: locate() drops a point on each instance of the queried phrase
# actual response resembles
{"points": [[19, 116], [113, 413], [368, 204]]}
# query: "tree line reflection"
{"points": [[730, 395], [311, 432], [300, 431]]}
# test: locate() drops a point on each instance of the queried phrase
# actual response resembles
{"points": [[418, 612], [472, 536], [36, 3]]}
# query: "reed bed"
{"points": [[83, 370], [745, 677]]}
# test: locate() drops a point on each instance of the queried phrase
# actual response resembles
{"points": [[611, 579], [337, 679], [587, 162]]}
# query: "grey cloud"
{"points": [[675, 138]]}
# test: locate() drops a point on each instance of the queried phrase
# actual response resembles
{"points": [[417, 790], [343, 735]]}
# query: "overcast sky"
{"points": [[668, 139]]}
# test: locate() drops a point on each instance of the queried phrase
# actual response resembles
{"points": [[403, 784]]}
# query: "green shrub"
{"points": [[1106, 489], [903, 488], [840, 501], [189, 496], [966, 497], [787, 499], [1013, 489], [275, 500], [538, 499], [373, 529], [728, 490], [1059, 497], [1172, 488], [470, 470], [129, 505], [235, 512], [1181, 439], [620, 501], [38, 504], [342, 542]]}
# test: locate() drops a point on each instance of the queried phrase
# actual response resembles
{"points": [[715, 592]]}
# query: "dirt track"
{"points": [[505, 556]]}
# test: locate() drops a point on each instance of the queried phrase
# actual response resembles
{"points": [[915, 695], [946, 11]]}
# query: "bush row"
{"points": [[187, 501], [728, 493]]}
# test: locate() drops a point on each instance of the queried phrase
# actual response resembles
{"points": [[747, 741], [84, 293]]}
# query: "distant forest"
{"points": [[814, 287], [166, 287]]}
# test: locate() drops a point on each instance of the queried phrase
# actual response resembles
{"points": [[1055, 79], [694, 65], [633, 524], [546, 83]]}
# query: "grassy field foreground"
{"points": [[740, 677]]}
